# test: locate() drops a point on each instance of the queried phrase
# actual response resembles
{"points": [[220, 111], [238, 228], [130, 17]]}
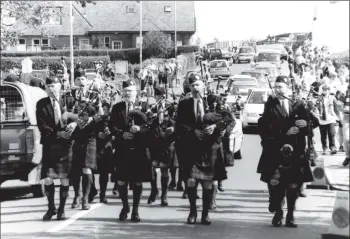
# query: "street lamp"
{"points": [[71, 42]]}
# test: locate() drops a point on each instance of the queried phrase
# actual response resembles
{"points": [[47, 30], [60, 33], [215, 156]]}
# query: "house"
{"points": [[112, 25]]}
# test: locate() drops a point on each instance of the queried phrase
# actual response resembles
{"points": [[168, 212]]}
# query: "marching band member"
{"points": [[283, 123], [162, 147], [198, 132], [57, 146], [129, 126]]}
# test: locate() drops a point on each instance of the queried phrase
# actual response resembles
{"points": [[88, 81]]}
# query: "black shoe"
{"points": [[49, 214], [164, 201], [220, 188], [341, 149], [61, 215], [76, 202], [92, 195], [172, 186], [212, 205], [135, 217], [124, 213], [103, 199], [290, 222], [152, 197], [179, 187], [277, 219], [184, 195], [333, 151], [84, 205], [346, 162], [192, 218], [206, 221]]}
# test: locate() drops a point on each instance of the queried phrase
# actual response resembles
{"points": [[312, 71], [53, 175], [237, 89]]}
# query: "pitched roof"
{"points": [[112, 16]]}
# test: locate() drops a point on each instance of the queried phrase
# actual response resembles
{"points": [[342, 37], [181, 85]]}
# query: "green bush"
{"points": [[132, 55], [156, 43], [54, 63]]}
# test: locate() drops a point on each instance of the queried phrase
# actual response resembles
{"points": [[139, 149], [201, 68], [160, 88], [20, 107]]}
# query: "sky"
{"points": [[240, 20]]}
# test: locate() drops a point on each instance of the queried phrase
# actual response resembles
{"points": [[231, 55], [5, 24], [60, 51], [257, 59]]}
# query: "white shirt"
{"points": [[56, 105]]}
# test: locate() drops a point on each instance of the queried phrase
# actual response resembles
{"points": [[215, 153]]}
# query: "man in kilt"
{"points": [[57, 146], [128, 125], [202, 136], [89, 111], [162, 145]]}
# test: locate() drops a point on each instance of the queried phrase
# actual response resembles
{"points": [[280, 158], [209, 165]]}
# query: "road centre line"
{"points": [[73, 218]]}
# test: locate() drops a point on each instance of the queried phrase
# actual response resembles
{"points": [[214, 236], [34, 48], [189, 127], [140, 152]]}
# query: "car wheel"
{"points": [[38, 190], [233, 60], [248, 61], [238, 154], [239, 62]]}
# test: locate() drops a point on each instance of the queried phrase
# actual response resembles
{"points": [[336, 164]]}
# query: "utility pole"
{"points": [[140, 36], [71, 42], [175, 31]]}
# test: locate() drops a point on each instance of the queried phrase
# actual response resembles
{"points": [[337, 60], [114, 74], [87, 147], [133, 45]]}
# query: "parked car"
{"points": [[21, 151], [245, 53], [215, 54], [241, 85], [227, 55], [280, 47], [268, 68], [219, 68], [254, 107], [269, 56], [258, 75]]}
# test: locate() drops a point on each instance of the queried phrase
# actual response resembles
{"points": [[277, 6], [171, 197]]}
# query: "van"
{"points": [[245, 53], [21, 151]]}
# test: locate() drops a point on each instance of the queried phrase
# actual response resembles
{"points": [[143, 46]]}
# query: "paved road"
{"points": [[242, 212]]}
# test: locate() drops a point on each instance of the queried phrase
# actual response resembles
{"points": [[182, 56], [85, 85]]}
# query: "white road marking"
{"points": [[73, 218]]}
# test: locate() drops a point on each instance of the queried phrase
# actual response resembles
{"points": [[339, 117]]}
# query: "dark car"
{"points": [[215, 54]]}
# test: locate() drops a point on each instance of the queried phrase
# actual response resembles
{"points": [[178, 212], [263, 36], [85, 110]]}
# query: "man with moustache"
{"points": [[57, 150], [129, 127]]}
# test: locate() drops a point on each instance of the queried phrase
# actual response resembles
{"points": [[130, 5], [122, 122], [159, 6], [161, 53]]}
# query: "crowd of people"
{"points": [[84, 131]]}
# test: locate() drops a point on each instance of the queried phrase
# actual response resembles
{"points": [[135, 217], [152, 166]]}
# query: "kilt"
{"points": [[84, 155], [105, 161], [213, 167], [56, 160], [164, 158], [132, 165], [162, 78]]}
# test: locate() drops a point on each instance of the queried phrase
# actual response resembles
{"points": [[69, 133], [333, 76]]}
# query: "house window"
{"points": [[36, 42], [84, 42], [167, 9], [45, 42], [107, 42], [54, 17], [22, 41], [130, 9], [117, 45], [138, 42]]}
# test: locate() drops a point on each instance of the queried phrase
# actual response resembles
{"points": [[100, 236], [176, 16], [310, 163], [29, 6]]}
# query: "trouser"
{"points": [[327, 130], [339, 134], [346, 129], [207, 186]]}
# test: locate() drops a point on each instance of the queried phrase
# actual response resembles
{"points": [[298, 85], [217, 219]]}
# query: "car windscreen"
{"points": [[246, 50], [255, 75], [238, 81], [218, 64], [268, 57], [256, 97], [12, 105], [265, 69]]}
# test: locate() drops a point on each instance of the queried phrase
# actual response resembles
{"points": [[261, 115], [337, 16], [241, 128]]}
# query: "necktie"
{"points": [[324, 114], [130, 108], [57, 113], [199, 111], [285, 106]]}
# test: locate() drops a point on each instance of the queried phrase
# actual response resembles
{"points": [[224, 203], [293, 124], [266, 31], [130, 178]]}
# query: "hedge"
{"points": [[132, 55], [54, 63]]}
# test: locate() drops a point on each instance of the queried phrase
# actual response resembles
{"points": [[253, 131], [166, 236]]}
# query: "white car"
{"points": [[254, 107], [270, 69], [241, 85]]}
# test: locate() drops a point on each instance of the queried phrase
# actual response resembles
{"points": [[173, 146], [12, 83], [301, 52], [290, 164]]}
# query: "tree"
{"points": [[17, 15], [156, 43]]}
